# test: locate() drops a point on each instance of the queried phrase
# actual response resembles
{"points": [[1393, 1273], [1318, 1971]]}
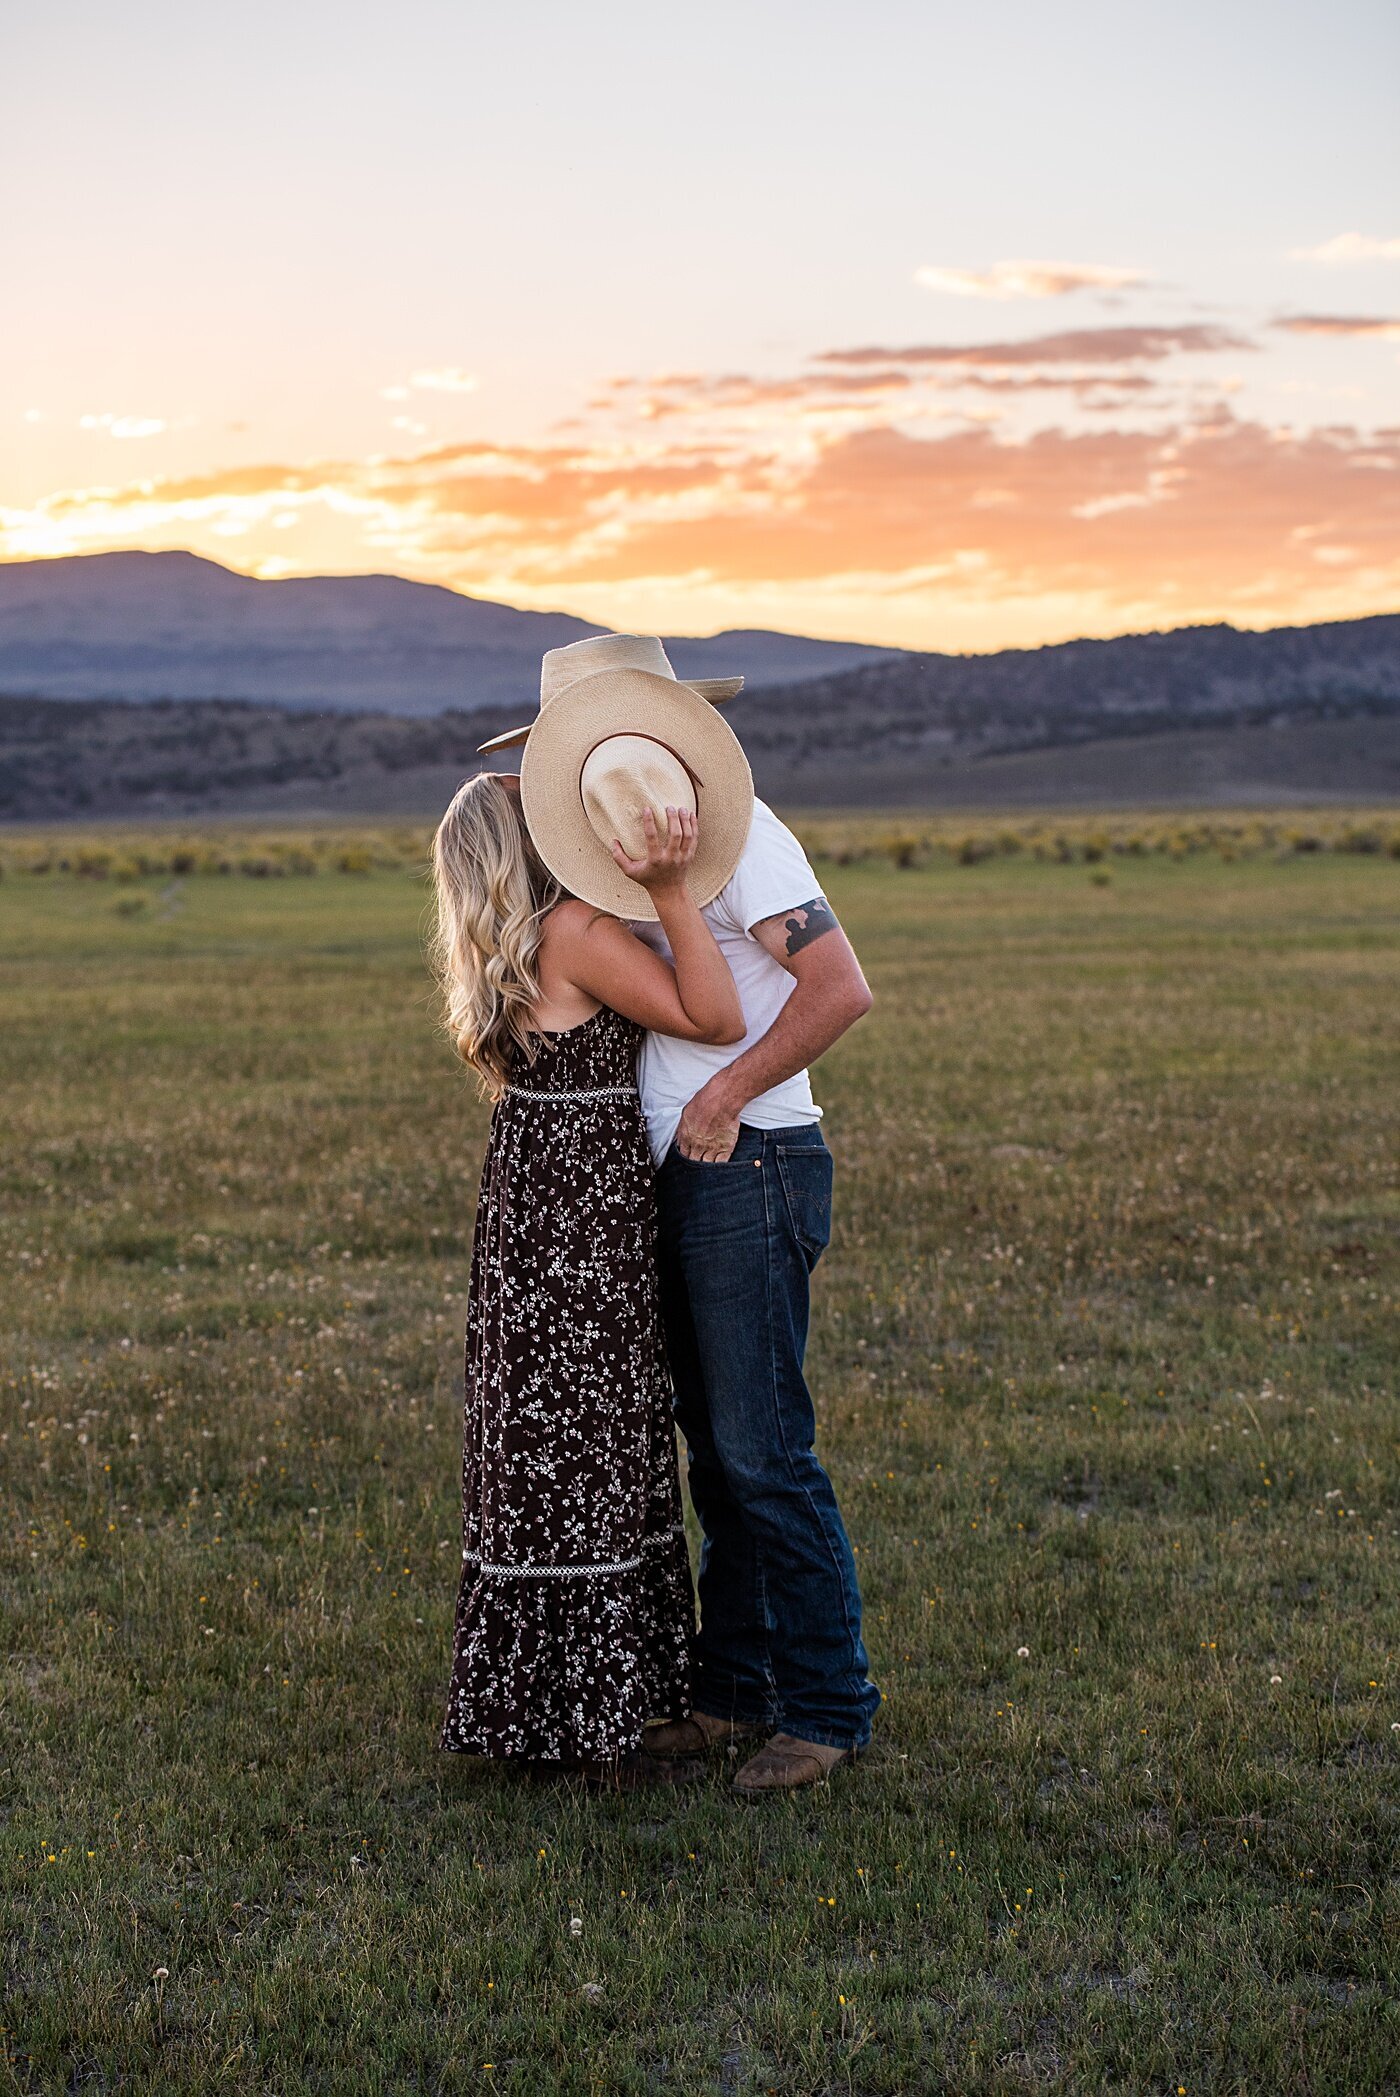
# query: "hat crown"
{"points": [[622, 777], [563, 667]]}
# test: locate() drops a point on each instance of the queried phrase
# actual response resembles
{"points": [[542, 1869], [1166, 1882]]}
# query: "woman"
{"points": [[575, 1611]]}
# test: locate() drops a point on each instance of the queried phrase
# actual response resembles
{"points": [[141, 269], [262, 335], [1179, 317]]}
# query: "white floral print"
{"points": [[575, 1613]]}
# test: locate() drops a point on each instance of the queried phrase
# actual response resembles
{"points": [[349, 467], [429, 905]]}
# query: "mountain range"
{"points": [[913, 716], [164, 685], [175, 626]]}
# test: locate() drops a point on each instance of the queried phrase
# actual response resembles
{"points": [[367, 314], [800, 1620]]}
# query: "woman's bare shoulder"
{"points": [[570, 921]]}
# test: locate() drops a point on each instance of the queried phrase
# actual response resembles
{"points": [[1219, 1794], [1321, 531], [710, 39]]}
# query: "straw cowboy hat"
{"points": [[617, 731]]}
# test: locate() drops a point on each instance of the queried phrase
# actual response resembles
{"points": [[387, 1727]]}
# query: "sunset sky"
{"points": [[946, 327]]}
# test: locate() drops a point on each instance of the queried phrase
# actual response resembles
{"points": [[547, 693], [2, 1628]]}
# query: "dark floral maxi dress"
{"points": [[575, 1611]]}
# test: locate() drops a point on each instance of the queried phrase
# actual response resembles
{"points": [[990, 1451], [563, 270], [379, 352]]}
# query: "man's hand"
{"points": [[709, 1126]]}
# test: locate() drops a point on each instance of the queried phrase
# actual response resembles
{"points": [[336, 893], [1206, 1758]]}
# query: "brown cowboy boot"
{"points": [[700, 1734], [787, 1764]]}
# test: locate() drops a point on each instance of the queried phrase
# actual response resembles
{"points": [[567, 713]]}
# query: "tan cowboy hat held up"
{"points": [[562, 667], [618, 732]]}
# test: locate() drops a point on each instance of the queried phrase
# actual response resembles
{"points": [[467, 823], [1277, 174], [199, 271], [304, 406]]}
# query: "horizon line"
{"points": [[561, 612]]}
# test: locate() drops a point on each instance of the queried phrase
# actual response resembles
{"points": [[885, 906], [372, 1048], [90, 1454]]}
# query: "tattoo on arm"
{"points": [[808, 922]]}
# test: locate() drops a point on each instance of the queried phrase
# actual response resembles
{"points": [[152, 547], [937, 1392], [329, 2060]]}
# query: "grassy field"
{"points": [[1105, 1353]]}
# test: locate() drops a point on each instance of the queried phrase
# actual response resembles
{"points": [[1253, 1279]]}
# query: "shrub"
{"points": [[969, 850]]}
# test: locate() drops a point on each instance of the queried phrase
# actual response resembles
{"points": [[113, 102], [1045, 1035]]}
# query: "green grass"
{"points": [[1105, 1354]]}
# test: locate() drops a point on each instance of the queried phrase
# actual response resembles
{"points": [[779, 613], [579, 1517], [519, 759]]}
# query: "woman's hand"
{"points": [[692, 996], [667, 858]]}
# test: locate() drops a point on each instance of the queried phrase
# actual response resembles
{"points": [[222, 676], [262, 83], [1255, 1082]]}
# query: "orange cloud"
{"points": [[1217, 507], [658, 398], [1340, 324], [861, 496], [212, 487]]}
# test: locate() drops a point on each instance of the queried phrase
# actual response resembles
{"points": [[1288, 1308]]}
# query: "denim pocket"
{"points": [[805, 1172]]}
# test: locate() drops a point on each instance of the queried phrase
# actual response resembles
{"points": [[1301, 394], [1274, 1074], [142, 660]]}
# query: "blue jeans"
{"points": [[779, 1638]]}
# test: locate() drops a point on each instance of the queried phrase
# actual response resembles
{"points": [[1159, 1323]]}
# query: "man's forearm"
{"points": [[810, 1021], [830, 995]]}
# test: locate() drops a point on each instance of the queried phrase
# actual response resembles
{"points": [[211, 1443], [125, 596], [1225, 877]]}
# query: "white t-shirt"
{"points": [[773, 875]]}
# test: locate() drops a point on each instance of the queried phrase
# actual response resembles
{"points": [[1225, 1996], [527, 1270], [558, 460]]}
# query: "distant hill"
{"points": [[90, 760], [136, 626], [888, 730], [1204, 715]]}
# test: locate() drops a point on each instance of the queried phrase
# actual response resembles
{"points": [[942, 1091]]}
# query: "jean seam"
{"points": [[714, 1666], [761, 1584], [766, 1654], [780, 1429]]}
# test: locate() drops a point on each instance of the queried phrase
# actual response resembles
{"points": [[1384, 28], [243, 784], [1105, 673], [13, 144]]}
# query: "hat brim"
{"points": [[632, 702], [715, 689]]}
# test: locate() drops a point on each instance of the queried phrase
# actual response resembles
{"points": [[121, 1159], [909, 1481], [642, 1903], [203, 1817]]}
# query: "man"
{"points": [[744, 1193]]}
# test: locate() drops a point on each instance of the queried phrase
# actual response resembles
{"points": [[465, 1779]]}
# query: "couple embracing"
{"points": [[637, 960]]}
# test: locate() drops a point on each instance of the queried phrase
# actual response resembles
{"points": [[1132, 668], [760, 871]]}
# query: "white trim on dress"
{"points": [[490, 1571], [604, 1092]]}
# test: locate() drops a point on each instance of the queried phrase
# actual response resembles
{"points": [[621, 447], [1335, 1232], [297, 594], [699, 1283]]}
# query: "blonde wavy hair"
{"points": [[493, 896]]}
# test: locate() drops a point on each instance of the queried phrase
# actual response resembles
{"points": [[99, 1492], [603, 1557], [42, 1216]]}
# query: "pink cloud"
{"points": [[1340, 324], [1127, 345]]}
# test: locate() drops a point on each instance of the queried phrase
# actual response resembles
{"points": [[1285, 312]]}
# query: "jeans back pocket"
{"points": [[805, 1171]]}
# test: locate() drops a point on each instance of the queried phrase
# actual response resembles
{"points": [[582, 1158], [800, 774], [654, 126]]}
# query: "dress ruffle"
{"points": [[563, 1667]]}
